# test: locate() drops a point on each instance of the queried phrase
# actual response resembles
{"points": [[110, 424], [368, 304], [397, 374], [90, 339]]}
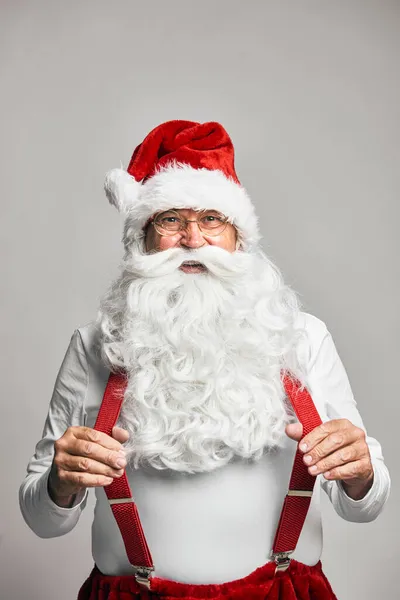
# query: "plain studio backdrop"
{"points": [[310, 93]]}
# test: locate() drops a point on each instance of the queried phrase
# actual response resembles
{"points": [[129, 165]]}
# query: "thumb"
{"points": [[294, 431], [121, 435]]}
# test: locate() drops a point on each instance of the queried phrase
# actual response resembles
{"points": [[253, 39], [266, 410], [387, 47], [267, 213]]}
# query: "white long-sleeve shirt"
{"points": [[203, 528]]}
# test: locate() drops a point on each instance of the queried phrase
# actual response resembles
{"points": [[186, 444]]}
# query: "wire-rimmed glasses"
{"points": [[170, 222]]}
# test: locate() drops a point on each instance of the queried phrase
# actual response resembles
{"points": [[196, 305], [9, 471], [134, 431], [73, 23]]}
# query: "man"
{"points": [[205, 337]]}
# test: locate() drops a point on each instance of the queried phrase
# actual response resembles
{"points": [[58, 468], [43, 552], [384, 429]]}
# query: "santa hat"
{"points": [[183, 164]]}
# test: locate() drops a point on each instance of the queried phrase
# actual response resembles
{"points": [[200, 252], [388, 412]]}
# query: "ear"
{"points": [[239, 241], [122, 190]]}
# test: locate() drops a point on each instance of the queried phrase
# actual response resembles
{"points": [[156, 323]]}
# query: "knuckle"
{"points": [[93, 435], [361, 434], [326, 427], [362, 450], [110, 459], [366, 467], [80, 479], [346, 454], [57, 460], [62, 475], [59, 445], [355, 469], [337, 439], [87, 448], [318, 452], [83, 464]]}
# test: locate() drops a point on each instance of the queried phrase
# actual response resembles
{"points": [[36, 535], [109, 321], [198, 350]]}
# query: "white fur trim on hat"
{"points": [[181, 186], [122, 190]]}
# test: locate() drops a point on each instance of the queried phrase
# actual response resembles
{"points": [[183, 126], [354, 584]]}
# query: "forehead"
{"points": [[189, 213]]}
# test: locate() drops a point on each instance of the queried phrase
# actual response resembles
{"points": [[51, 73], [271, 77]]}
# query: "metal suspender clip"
{"points": [[282, 560], [142, 576]]}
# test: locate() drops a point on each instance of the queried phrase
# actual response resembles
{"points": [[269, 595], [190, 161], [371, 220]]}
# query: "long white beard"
{"points": [[203, 353]]}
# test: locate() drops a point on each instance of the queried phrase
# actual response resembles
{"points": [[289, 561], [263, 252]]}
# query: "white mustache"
{"points": [[219, 262]]}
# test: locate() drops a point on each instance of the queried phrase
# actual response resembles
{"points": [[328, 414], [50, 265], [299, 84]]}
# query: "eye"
{"points": [[212, 219]]}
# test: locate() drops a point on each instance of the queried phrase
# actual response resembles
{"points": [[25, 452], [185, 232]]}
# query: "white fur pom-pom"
{"points": [[121, 189]]}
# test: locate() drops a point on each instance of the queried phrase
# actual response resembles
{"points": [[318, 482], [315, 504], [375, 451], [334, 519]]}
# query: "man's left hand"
{"points": [[337, 449]]}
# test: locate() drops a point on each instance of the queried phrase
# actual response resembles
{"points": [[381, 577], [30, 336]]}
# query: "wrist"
{"points": [[61, 499], [359, 489]]}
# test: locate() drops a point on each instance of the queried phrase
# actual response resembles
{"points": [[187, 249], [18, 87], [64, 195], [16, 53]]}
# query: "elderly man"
{"points": [[184, 403]]}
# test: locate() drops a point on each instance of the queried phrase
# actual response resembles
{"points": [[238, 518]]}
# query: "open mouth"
{"points": [[192, 266]]}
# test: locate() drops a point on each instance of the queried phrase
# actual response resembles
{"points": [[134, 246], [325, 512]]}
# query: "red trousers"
{"points": [[299, 582]]}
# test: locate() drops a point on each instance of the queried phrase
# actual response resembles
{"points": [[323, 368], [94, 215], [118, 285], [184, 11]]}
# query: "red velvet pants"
{"points": [[299, 582]]}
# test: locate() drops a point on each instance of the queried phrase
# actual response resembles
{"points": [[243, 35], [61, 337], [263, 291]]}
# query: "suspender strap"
{"points": [[118, 492], [301, 485], [295, 506]]}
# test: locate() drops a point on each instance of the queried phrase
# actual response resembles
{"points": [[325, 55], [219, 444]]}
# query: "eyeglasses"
{"points": [[171, 222]]}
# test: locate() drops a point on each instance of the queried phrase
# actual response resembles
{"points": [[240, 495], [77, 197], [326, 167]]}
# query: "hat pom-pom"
{"points": [[121, 189]]}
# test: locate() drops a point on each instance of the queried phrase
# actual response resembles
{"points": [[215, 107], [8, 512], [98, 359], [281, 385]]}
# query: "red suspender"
{"points": [[301, 485], [295, 506], [119, 492]]}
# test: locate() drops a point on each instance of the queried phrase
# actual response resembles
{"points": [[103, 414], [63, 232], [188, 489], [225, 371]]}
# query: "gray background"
{"points": [[310, 93]]}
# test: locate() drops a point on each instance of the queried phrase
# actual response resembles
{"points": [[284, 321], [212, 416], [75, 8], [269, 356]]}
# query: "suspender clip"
{"points": [[282, 560], [142, 576]]}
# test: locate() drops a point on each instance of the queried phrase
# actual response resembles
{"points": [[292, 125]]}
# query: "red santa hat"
{"points": [[183, 164]]}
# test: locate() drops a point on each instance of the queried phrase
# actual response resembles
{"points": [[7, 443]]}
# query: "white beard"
{"points": [[203, 354]]}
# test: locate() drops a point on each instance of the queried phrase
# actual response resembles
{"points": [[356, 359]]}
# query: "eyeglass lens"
{"points": [[208, 221]]}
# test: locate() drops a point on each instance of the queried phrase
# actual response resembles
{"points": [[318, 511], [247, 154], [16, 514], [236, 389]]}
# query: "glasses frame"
{"points": [[163, 232]]}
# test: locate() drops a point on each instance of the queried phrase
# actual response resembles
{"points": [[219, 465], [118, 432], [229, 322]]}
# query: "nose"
{"points": [[192, 236]]}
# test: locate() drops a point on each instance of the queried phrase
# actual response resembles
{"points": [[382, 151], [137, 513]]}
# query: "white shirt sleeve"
{"points": [[329, 381], [66, 409]]}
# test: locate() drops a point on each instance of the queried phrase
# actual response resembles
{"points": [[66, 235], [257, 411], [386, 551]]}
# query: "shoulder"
{"points": [[97, 373], [316, 328], [89, 335], [314, 332], [89, 340]]}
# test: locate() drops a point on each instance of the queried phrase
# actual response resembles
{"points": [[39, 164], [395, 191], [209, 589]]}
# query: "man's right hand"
{"points": [[85, 457]]}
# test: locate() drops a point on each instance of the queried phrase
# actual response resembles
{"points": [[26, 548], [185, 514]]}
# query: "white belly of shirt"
{"points": [[211, 527]]}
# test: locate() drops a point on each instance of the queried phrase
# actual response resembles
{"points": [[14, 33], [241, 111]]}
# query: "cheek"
{"points": [[165, 242], [227, 240], [157, 242]]}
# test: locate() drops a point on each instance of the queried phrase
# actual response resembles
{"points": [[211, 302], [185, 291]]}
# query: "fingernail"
{"points": [[303, 447], [121, 463], [327, 474], [307, 459], [313, 469]]}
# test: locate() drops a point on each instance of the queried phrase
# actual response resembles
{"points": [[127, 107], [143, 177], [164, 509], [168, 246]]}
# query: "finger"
{"points": [[339, 439], [119, 434], [98, 437], [294, 431], [359, 469], [347, 454], [84, 480], [88, 465], [321, 432], [96, 452]]}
